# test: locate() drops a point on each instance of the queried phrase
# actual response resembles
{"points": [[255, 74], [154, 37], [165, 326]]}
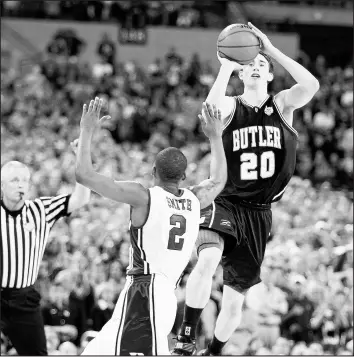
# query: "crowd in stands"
{"points": [[304, 306], [156, 13]]}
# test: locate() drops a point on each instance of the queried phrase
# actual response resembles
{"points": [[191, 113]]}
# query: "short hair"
{"points": [[171, 164], [12, 165], [269, 60]]}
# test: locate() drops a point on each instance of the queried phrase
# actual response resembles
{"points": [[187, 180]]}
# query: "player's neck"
{"points": [[168, 186], [255, 96]]}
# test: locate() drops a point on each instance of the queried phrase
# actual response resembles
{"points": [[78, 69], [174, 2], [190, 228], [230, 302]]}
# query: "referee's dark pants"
{"points": [[22, 322]]}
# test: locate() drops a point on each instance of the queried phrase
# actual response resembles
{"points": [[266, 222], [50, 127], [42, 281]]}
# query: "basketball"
{"points": [[238, 43]]}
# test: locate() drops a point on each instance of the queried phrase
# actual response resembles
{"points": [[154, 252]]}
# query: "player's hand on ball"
{"points": [[91, 115], [211, 121], [266, 46], [227, 63]]}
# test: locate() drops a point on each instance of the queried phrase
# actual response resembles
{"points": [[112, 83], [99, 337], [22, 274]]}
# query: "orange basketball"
{"points": [[238, 43]]}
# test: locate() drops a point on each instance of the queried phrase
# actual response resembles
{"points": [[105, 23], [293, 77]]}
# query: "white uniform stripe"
{"points": [[55, 213], [4, 250], [24, 236], [12, 251], [284, 120], [26, 250], [131, 252], [280, 193], [229, 120], [45, 228], [49, 200], [37, 243], [152, 315], [32, 244], [19, 257], [54, 205], [142, 252], [130, 280], [212, 216]]}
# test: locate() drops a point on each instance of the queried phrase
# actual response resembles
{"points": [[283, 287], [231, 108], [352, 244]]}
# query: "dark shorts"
{"points": [[245, 229], [22, 322], [137, 327], [141, 321]]}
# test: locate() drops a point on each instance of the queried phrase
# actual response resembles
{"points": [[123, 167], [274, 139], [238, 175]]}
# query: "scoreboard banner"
{"points": [[132, 36]]}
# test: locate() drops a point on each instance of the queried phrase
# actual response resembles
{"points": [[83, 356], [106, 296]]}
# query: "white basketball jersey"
{"points": [[164, 244]]}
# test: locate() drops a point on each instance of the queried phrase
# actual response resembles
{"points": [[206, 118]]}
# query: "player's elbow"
{"points": [[314, 86]]}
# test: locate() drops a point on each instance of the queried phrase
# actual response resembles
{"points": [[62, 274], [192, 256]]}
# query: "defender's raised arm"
{"points": [[128, 192], [212, 126]]}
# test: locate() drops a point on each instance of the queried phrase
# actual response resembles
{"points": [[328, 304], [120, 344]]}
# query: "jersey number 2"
{"points": [[250, 162], [175, 243]]}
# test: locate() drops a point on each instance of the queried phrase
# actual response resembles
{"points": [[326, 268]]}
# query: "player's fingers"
{"points": [[206, 114], [256, 30], [215, 112], [202, 120], [209, 110], [95, 104], [84, 109], [99, 106], [219, 114], [91, 105]]}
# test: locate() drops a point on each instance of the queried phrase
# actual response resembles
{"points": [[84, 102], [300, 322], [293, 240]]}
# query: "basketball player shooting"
{"points": [[164, 224], [260, 146]]}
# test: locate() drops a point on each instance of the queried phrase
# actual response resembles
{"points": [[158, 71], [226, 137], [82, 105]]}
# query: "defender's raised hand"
{"points": [[266, 46], [211, 121], [91, 116]]}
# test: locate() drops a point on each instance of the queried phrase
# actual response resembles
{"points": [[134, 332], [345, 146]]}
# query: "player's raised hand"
{"points": [[211, 121], [91, 115], [266, 46], [228, 63]]}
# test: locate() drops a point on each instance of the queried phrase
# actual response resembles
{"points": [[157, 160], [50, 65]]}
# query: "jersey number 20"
{"points": [[250, 162], [175, 243]]}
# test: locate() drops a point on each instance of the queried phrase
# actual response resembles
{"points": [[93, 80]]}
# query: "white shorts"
{"points": [[141, 321]]}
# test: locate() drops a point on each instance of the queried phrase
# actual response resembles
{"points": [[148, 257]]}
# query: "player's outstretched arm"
{"points": [[212, 126], [307, 84], [128, 192], [217, 92]]}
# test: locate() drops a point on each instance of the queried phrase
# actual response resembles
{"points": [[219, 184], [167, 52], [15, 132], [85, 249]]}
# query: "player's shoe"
{"points": [[206, 352], [185, 346]]}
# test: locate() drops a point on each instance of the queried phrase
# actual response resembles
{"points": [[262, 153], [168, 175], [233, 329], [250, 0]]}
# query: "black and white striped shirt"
{"points": [[24, 235]]}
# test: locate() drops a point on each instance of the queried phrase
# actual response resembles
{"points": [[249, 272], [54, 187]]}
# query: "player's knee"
{"points": [[208, 261], [234, 308], [232, 302], [209, 247]]}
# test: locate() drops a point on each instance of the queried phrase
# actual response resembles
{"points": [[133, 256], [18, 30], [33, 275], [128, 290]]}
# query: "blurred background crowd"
{"points": [[304, 306]]}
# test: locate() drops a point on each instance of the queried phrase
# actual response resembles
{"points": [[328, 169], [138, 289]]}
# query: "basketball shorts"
{"points": [[245, 229], [142, 319]]}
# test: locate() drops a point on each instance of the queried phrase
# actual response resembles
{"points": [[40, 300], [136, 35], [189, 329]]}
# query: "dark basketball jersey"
{"points": [[260, 148]]}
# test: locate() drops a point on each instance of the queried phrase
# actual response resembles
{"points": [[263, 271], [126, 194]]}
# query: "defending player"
{"points": [[164, 224], [260, 146]]}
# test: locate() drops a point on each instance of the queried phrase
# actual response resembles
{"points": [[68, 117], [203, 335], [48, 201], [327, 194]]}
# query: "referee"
{"points": [[25, 227]]}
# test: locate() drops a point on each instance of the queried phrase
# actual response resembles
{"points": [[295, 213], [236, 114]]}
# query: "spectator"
{"points": [[106, 49], [307, 257], [103, 309]]}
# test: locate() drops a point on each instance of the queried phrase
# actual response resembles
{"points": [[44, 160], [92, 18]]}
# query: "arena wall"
{"points": [[159, 39]]}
